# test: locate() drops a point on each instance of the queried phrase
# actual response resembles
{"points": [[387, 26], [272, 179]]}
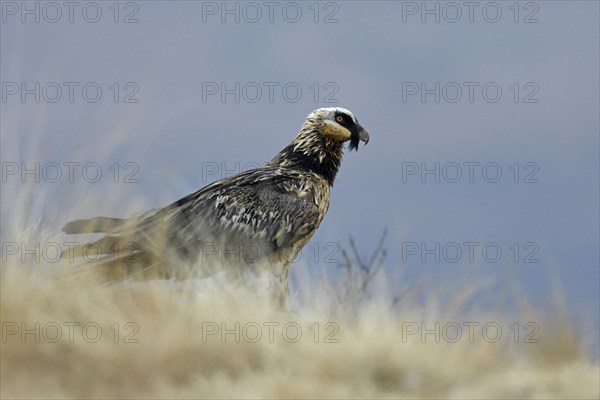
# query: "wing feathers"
{"points": [[262, 207], [94, 225]]}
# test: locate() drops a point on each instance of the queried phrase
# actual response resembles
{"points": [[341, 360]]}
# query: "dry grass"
{"points": [[171, 353]]}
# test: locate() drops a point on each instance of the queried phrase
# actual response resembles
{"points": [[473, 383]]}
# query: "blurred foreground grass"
{"points": [[76, 339]]}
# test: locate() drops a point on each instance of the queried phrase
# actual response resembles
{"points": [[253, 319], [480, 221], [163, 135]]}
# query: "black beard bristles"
{"points": [[354, 143]]}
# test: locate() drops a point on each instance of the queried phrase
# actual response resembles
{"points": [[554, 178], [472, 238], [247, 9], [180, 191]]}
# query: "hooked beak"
{"points": [[358, 134]]}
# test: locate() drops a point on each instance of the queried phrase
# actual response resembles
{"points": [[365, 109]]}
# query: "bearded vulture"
{"points": [[256, 221]]}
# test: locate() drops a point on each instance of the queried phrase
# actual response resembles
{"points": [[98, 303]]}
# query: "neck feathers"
{"points": [[311, 152]]}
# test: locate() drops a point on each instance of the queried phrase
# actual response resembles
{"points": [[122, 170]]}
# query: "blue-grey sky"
{"points": [[426, 90]]}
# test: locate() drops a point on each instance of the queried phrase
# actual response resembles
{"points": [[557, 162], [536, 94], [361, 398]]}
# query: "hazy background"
{"points": [[179, 137]]}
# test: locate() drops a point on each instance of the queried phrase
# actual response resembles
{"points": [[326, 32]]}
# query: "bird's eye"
{"points": [[339, 119]]}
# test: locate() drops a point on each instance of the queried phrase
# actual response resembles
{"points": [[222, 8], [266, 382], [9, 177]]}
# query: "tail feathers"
{"points": [[94, 225], [107, 245]]}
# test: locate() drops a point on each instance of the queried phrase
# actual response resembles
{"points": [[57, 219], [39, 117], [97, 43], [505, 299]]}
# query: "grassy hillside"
{"points": [[72, 338]]}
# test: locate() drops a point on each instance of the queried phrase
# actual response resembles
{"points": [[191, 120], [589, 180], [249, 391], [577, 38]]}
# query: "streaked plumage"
{"points": [[256, 221]]}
